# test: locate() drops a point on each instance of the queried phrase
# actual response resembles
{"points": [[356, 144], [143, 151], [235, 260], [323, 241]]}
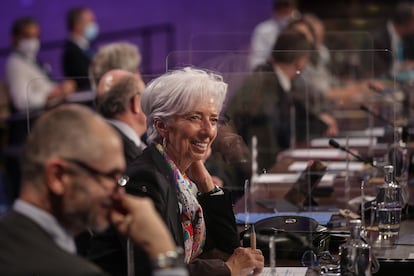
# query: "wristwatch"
{"points": [[216, 191], [169, 259]]}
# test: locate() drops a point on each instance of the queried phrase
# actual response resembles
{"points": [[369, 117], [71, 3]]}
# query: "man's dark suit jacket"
{"points": [[261, 108], [26, 249], [75, 64], [131, 151], [150, 175]]}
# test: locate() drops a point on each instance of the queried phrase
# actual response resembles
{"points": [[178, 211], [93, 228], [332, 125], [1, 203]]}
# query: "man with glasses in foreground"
{"points": [[71, 164]]}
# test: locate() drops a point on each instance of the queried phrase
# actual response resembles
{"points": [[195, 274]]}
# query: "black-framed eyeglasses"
{"points": [[114, 175]]}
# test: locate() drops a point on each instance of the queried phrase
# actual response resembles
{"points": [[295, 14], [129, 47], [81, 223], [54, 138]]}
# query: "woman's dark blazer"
{"points": [[150, 175]]}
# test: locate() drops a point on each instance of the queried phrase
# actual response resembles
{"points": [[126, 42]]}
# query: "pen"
{"points": [[252, 237]]}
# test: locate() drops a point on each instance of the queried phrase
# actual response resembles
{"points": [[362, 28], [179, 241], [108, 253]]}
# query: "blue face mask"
{"points": [[91, 31]]}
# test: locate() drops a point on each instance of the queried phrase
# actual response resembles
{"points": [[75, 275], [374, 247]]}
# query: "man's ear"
{"points": [[301, 63], [136, 104], [54, 174]]}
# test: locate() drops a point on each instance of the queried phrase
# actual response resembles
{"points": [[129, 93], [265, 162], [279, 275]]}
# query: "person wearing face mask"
{"points": [[77, 51], [265, 34], [29, 83]]}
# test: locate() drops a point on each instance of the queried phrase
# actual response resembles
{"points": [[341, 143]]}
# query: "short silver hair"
{"points": [[179, 92], [117, 55]]}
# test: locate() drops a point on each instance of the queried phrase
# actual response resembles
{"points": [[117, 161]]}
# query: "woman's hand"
{"points": [[198, 173], [245, 261]]}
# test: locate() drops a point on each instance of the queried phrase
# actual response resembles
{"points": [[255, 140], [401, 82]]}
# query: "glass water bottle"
{"points": [[355, 254]]}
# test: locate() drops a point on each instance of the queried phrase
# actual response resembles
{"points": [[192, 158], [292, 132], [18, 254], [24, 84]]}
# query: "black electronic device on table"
{"points": [[299, 197]]}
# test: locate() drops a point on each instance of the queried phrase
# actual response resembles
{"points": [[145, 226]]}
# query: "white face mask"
{"points": [[29, 47], [91, 31]]}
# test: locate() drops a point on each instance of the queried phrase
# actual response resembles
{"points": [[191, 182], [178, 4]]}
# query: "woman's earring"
{"points": [[164, 142]]}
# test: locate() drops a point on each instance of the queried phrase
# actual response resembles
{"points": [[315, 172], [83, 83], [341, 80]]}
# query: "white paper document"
{"points": [[332, 166], [289, 178], [318, 153], [277, 178], [374, 131], [352, 142], [284, 271]]}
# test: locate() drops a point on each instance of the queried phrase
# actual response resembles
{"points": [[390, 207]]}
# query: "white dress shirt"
{"points": [[128, 132], [284, 80], [29, 86], [263, 38], [395, 41]]}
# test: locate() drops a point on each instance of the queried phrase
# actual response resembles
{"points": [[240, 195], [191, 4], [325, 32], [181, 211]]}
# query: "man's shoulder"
{"points": [[70, 46], [14, 59], [267, 26], [27, 249]]}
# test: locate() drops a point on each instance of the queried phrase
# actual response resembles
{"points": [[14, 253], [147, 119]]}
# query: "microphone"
{"points": [[336, 145], [375, 115]]}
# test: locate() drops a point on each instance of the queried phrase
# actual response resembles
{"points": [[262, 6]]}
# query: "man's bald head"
{"points": [[116, 90], [111, 78]]}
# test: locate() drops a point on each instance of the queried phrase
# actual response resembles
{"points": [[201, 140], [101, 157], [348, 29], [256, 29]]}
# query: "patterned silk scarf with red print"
{"points": [[192, 219]]}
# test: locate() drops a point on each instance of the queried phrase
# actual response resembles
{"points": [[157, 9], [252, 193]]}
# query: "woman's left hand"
{"points": [[198, 173]]}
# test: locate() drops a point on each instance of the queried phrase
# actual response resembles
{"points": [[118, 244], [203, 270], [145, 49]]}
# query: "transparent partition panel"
{"points": [[315, 135], [346, 116]]}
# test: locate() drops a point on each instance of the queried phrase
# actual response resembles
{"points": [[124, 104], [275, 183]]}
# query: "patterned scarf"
{"points": [[192, 219]]}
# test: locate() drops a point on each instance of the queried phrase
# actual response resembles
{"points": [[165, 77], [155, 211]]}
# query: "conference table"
{"points": [[336, 197]]}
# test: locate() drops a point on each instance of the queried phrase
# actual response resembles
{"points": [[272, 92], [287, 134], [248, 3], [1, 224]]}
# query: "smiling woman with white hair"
{"points": [[182, 109]]}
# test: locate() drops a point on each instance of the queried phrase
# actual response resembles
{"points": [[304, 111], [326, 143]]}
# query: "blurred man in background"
{"points": [[77, 51]]}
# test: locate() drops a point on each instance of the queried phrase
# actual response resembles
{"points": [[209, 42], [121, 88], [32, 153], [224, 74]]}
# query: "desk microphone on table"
{"points": [[405, 130], [336, 145], [375, 115]]}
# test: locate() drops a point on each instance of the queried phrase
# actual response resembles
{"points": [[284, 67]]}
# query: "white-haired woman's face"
{"points": [[190, 136]]}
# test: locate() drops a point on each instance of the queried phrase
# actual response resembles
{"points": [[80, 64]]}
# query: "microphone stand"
{"points": [[336, 145]]}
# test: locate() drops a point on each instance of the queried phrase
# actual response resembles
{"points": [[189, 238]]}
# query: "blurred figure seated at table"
{"points": [[305, 87], [29, 82], [229, 162], [266, 107], [182, 109], [397, 38], [117, 55], [327, 91]]}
